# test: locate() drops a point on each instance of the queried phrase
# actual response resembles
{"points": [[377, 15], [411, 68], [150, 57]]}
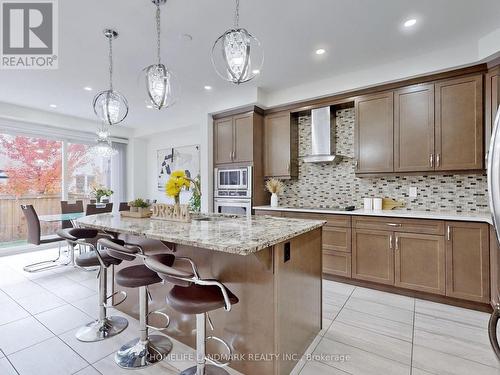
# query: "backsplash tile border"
{"points": [[335, 185]]}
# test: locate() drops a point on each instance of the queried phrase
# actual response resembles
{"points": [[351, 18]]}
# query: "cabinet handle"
{"points": [[448, 233], [231, 156], [393, 225], [397, 242], [356, 164], [288, 167], [431, 160], [390, 242], [438, 160]]}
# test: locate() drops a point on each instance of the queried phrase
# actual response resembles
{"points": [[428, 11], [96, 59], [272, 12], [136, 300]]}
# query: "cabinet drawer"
{"points": [[337, 263], [343, 221], [400, 225], [337, 239]]}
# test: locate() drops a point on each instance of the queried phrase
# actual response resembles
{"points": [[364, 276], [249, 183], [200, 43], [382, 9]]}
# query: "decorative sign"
{"points": [[186, 158], [171, 212]]}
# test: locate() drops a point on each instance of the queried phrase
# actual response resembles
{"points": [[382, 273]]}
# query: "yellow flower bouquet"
{"points": [[178, 181]]}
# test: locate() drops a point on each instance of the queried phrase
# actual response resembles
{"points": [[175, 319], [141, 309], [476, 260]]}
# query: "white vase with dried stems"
{"points": [[275, 187]]}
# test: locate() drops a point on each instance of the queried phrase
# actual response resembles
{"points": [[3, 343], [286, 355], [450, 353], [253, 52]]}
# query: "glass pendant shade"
{"points": [[104, 148], [160, 86], [110, 107]]}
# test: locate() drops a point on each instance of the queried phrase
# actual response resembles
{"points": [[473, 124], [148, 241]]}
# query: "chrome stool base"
{"points": [[101, 330], [138, 354], [209, 370]]}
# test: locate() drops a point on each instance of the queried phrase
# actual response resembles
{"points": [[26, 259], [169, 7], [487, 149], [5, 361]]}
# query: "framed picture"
{"points": [[185, 158]]}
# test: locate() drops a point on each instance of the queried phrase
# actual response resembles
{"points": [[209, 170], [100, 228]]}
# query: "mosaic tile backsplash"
{"points": [[335, 185]]}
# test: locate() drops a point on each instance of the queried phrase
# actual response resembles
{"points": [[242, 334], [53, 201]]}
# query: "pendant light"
{"points": [[104, 147], [159, 79], [237, 55], [110, 106]]}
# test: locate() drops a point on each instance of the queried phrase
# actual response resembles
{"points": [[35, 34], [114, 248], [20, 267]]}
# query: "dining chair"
{"points": [[94, 209], [35, 237], [124, 206], [70, 208]]}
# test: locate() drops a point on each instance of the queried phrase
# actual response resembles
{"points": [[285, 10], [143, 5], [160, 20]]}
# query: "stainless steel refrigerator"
{"points": [[493, 161]]}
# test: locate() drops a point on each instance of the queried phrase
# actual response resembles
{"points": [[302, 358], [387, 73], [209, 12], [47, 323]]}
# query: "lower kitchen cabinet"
{"points": [[467, 261], [337, 263], [372, 256], [420, 262]]}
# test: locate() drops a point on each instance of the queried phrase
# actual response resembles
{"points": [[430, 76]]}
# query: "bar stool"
{"points": [[193, 295], [105, 326], [147, 349]]}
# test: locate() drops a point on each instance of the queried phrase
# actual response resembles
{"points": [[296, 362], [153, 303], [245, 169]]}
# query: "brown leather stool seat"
{"points": [[91, 260], [136, 276], [74, 234], [197, 299]]}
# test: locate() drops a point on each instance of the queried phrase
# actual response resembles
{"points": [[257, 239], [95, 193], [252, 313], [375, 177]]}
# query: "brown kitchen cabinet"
{"points": [[372, 256], [459, 124], [337, 263], [374, 133], [492, 101], [420, 262], [237, 138], [414, 128], [467, 261], [280, 146]]}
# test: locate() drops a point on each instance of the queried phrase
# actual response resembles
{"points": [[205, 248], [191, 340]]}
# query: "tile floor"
{"points": [[365, 331]]}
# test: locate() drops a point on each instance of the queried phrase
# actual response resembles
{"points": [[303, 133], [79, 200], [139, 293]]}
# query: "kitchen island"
{"points": [[273, 265]]}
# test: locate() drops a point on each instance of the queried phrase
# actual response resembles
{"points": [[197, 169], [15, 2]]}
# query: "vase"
{"points": [[274, 200]]}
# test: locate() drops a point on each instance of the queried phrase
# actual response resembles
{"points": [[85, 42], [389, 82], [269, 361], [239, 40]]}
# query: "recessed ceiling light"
{"points": [[53, 106], [149, 106], [256, 71], [207, 87], [320, 51], [87, 88], [411, 22]]}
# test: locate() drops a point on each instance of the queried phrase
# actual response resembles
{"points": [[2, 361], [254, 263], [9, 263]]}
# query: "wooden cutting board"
{"points": [[390, 204]]}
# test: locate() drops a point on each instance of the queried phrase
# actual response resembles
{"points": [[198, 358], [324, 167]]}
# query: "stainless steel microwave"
{"points": [[233, 182]]}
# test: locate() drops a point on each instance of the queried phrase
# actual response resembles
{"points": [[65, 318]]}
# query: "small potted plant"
{"points": [[195, 200], [139, 205], [275, 187], [102, 194]]}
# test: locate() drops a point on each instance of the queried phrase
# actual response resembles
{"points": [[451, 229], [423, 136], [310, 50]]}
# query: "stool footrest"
{"points": [[122, 292], [161, 313], [228, 348]]}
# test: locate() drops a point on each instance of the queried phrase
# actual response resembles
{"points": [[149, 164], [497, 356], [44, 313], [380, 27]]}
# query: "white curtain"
{"points": [[119, 175]]}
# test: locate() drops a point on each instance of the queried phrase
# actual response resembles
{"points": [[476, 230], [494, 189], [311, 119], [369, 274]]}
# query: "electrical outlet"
{"points": [[413, 192]]}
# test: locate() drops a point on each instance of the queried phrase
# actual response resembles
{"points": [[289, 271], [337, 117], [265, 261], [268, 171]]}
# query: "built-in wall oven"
{"points": [[233, 190]]}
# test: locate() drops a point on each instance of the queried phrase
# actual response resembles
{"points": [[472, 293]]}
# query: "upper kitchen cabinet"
{"points": [[238, 139], [459, 124], [374, 133], [492, 101], [280, 145], [414, 128]]}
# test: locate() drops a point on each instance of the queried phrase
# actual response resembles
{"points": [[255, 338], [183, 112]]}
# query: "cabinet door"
{"points": [[372, 256], [337, 239], [459, 124], [420, 262], [467, 261], [414, 129], [223, 140], [277, 145], [243, 138], [374, 133], [492, 101]]}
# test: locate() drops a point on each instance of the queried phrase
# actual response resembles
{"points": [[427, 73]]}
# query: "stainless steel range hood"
{"points": [[322, 137]]}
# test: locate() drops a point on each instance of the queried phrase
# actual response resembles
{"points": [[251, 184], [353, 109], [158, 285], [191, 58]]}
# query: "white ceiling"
{"points": [[356, 34]]}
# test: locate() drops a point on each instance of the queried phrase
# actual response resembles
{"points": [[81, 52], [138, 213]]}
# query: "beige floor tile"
{"points": [[88, 371], [390, 299], [305, 359], [377, 324], [318, 368], [330, 311], [356, 361], [336, 287], [6, 368], [417, 371], [72, 291], [381, 345], [439, 363], [23, 289], [377, 309], [21, 334], [63, 319], [51, 357], [41, 302], [10, 311], [456, 314]]}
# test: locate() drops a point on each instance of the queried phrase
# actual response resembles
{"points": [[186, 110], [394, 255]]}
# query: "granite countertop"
{"points": [[226, 233], [484, 217]]}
